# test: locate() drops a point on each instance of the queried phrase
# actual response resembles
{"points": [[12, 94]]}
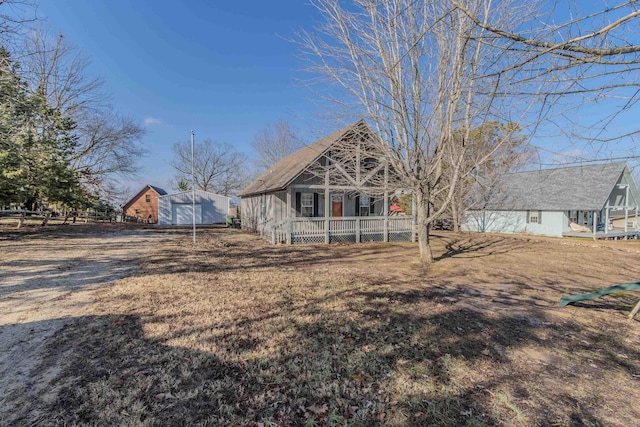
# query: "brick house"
{"points": [[144, 205]]}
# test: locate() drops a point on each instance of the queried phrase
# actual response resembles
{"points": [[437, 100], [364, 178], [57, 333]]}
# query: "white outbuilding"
{"points": [[177, 208]]}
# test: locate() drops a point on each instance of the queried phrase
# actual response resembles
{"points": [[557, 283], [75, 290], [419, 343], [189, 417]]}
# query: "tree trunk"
{"points": [[455, 214], [422, 208]]}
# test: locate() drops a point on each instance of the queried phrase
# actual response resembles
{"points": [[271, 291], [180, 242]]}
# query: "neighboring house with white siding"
{"points": [[308, 197], [571, 201], [177, 208]]}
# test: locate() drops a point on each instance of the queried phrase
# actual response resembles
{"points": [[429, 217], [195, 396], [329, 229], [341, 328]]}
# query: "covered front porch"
{"points": [[599, 225], [343, 229]]}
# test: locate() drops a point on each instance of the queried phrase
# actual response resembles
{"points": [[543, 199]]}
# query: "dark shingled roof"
{"points": [[288, 168], [159, 190], [571, 188]]}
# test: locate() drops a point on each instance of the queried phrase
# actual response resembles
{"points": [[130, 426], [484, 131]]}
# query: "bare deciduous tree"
{"points": [[413, 69], [217, 167], [511, 154], [59, 70], [16, 16], [108, 144], [275, 141], [426, 73]]}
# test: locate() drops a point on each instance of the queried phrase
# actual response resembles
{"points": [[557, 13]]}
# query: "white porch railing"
{"points": [[342, 229]]}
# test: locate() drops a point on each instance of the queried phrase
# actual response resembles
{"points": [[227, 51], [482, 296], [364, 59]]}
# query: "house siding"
{"points": [[214, 206], [258, 212], [147, 211], [515, 222]]}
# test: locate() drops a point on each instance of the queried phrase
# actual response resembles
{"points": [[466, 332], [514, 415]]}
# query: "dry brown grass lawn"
{"points": [[233, 331]]}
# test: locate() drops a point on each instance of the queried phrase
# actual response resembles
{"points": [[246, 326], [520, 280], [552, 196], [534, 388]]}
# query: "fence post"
{"points": [[21, 221], [327, 226], [289, 230], [358, 230]]}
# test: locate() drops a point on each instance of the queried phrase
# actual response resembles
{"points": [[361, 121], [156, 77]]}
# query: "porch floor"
{"points": [[610, 234]]}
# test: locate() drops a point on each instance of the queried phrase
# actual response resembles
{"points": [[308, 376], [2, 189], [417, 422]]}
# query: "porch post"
{"points": [[288, 217], [386, 217], [327, 205], [626, 209], [386, 203], [595, 224], [626, 218], [606, 218], [636, 225]]}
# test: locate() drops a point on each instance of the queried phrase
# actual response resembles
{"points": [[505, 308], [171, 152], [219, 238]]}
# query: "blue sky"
{"points": [[223, 69], [226, 69]]}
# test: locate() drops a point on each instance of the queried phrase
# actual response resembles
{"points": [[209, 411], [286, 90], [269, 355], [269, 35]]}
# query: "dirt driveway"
{"points": [[45, 280]]}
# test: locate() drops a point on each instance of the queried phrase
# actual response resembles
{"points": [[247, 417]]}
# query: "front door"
{"points": [[336, 205]]}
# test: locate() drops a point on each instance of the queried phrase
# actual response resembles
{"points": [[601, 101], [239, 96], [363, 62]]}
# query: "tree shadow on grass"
{"points": [[230, 250], [113, 375], [456, 247], [388, 360]]}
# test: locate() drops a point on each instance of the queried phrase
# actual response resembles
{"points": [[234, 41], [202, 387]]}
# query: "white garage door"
{"points": [[182, 214]]}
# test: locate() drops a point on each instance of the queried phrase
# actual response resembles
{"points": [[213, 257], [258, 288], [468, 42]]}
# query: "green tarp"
{"points": [[601, 292]]}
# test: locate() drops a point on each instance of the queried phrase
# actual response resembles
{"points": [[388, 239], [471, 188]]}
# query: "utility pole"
{"points": [[193, 190]]}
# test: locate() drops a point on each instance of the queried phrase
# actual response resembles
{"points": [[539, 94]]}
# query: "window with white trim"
{"points": [[365, 205], [534, 217], [306, 204]]}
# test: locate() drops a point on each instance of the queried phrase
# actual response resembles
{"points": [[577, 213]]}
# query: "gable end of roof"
{"points": [[287, 169]]}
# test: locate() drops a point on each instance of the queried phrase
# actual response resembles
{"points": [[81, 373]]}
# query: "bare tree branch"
{"points": [[275, 141], [570, 45], [217, 166], [108, 144], [419, 71]]}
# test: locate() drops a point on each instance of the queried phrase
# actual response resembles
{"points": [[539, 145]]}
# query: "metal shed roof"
{"points": [[187, 194], [571, 188]]}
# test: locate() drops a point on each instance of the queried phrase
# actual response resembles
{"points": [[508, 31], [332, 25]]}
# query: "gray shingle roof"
{"points": [[288, 168], [571, 188]]}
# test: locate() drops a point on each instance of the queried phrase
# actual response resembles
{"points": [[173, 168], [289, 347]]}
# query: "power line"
{"points": [[577, 162]]}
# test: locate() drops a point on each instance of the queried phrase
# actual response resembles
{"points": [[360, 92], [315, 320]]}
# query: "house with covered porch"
{"points": [[574, 201], [338, 189]]}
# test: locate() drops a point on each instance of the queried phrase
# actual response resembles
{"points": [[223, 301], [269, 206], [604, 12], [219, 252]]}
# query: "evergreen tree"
{"points": [[16, 111], [37, 143]]}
